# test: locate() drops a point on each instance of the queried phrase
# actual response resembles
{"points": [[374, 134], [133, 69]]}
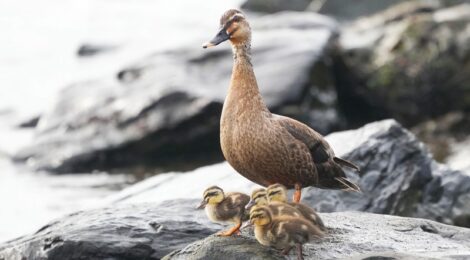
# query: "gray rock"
{"points": [[398, 177], [351, 235], [141, 231], [163, 111], [408, 62], [173, 228]]}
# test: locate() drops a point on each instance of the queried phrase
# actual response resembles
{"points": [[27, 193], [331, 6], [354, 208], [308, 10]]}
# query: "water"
{"points": [[40, 39]]}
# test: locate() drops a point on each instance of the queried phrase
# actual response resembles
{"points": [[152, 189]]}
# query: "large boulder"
{"points": [[350, 235], [398, 176], [175, 229], [409, 62], [163, 111], [141, 231]]}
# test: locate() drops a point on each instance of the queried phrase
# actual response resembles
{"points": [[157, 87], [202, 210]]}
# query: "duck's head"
{"points": [[258, 197], [260, 216], [233, 27], [212, 195], [277, 192]]}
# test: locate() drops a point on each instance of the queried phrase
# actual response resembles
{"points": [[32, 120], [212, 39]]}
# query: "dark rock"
{"points": [[88, 50], [409, 62], [398, 177], [351, 235], [141, 231], [272, 6], [163, 112], [30, 123]]}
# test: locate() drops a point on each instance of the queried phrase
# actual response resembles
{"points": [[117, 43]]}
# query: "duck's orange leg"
{"points": [[297, 193], [233, 230]]}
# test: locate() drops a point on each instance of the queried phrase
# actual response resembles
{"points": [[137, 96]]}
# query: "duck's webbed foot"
{"points": [[230, 232], [297, 193]]}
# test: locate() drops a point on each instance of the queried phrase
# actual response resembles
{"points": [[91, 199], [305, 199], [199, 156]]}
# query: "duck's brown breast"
{"points": [[263, 152]]}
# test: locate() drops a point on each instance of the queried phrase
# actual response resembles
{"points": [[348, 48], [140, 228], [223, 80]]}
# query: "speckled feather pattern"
{"points": [[284, 232], [231, 209], [260, 145]]}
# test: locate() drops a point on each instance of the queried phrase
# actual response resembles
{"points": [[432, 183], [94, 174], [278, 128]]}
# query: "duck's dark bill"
{"points": [[219, 38]]}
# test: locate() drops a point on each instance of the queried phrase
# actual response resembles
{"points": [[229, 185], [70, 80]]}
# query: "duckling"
{"points": [[283, 232], [263, 147], [259, 198], [278, 193], [223, 207]]}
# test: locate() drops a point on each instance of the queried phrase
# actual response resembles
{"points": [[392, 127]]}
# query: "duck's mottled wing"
{"points": [[319, 148]]}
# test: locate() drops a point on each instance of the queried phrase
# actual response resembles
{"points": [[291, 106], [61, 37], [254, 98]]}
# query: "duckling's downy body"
{"points": [[223, 207], [264, 147], [259, 197], [277, 194], [283, 232]]}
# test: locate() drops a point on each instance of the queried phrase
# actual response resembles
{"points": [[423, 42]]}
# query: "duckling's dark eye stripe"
{"points": [[259, 196], [210, 194], [274, 192], [256, 216]]}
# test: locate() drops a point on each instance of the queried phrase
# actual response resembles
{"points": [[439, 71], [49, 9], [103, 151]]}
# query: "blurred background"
{"points": [[98, 95]]}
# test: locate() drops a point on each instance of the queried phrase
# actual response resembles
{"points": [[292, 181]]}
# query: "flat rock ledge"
{"points": [[175, 230]]}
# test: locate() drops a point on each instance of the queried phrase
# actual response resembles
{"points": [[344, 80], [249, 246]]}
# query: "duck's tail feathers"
{"points": [[346, 163], [348, 185]]}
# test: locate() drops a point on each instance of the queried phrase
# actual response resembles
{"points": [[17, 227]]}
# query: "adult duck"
{"points": [[264, 147]]}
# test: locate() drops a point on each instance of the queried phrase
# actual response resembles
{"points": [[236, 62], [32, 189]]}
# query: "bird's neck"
{"points": [[243, 92]]}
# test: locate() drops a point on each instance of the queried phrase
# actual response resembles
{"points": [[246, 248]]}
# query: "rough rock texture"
{"points": [[398, 176], [165, 109], [352, 235], [409, 62], [140, 231], [151, 231]]}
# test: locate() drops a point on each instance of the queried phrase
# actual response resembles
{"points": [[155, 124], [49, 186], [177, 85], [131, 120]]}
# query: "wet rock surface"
{"points": [[140, 231], [164, 110], [351, 235]]}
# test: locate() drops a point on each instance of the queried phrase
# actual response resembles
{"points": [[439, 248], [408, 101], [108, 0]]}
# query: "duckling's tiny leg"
{"points": [[286, 250], [297, 193], [300, 255], [233, 230]]}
